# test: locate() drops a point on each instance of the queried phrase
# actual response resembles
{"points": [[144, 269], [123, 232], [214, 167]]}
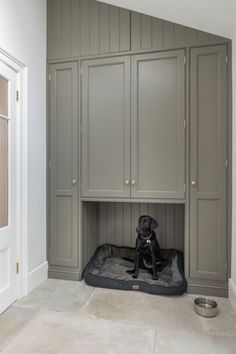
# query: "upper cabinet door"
{"points": [[208, 163], [157, 124], [106, 127]]}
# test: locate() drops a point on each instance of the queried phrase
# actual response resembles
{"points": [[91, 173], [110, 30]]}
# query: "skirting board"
{"points": [[207, 290], [37, 276], [61, 274], [232, 294]]}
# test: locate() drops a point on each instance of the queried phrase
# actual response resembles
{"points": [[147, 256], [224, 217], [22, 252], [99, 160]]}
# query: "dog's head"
{"points": [[146, 223]]}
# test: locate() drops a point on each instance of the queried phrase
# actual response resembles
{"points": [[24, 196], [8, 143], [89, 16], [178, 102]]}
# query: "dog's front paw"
{"points": [[130, 271], [135, 276]]}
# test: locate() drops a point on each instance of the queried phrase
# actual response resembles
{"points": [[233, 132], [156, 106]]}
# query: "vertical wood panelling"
{"points": [[168, 34], [146, 31], [203, 37], [94, 27], [75, 33], [191, 36], [90, 230], [86, 27], [170, 226], [180, 35], [124, 26], [135, 31], [118, 221], [114, 29], [104, 29], [150, 33], [157, 33]]}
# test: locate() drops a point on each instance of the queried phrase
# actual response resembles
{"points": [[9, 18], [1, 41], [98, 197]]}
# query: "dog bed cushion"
{"points": [[107, 269]]}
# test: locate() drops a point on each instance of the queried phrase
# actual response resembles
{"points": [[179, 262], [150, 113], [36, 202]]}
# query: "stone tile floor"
{"points": [[68, 317]]}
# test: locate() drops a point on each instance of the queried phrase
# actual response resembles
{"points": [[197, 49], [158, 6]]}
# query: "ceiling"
{"points": [[214, 16]]}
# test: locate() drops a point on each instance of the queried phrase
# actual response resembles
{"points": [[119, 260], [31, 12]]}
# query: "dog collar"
{"points": [[147, 238]]}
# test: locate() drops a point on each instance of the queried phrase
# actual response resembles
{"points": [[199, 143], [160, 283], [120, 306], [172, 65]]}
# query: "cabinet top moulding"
{"points": [[135, 52], [134, 200]]}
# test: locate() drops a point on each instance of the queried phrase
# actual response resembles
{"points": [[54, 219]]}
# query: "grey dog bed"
{"points": [[107, 269]]}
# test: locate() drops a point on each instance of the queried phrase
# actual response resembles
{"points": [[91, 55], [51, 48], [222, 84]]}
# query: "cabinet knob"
{"points": [[193, 183], [127, 182], [74, 181], [133, 182]]}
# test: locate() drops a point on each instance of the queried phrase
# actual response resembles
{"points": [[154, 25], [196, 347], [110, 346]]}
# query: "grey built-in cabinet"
{"points": [[208, 163], [64, 170], [138, 123], [141, 154]]}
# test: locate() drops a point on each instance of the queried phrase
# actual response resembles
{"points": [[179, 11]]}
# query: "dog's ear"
{"points": [[153, 224]]}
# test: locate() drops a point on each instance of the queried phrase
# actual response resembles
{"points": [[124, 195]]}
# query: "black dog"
{"points": [[147, 255]]}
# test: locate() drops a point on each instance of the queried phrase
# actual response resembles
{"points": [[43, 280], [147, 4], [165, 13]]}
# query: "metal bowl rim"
{"points": [[205, 300]]}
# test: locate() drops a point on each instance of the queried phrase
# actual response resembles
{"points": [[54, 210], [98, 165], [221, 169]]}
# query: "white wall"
{"points": [[23, 35]]}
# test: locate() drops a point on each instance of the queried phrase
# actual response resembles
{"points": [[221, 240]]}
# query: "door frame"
{"points": [[22, 169]]}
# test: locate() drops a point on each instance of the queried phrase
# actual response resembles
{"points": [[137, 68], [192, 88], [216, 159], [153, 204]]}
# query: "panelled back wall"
{"points": [[86, 27], [138, 121]]}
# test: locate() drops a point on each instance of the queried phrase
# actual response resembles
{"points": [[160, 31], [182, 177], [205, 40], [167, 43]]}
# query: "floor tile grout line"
{"points": [[155, 340], [90, 295]]}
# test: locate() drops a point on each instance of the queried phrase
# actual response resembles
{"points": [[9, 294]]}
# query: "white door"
{"points": [[8, 192]]}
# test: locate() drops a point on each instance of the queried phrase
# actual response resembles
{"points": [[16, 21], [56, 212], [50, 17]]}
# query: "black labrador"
{"points": [[147, 253]]}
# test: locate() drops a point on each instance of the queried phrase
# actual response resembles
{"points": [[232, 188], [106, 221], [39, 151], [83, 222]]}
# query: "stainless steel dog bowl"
{"points": [[205, 307]]}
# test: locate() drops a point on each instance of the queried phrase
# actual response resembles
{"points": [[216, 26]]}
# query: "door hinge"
{"points": [[226, 59], [17, 95], [81, 128], [226, 162], [17, 267], [81, 71], [49, 77], [185, 123], [185, 59]]}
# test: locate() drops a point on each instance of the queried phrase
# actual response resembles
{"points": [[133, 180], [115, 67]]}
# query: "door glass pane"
{"points": [[3, 96], [3, 152]]}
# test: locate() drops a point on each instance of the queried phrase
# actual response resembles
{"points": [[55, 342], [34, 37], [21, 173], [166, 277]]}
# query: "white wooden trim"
{"points": [[13, 63], [37, 276], [232, 293], [22, 169], [23, 184]]}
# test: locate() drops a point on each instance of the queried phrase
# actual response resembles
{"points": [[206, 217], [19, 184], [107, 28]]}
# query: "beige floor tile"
{"points": [[57, 295], [12, 321], [132, 307], [224, 324], [177, 342], [67, 333]]}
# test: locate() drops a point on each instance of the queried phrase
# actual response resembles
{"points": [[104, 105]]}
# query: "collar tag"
{"points": [[148, 241]]}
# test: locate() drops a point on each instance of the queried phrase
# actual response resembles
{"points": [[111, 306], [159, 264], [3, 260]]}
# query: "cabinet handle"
{"points": [[193, 183], [133, 182], [74, 181], [127, 182]]}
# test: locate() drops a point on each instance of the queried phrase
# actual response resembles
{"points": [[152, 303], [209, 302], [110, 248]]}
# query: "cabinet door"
{"points": [[158, 133], [64, 169], [106, 127], [208, 163]]}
